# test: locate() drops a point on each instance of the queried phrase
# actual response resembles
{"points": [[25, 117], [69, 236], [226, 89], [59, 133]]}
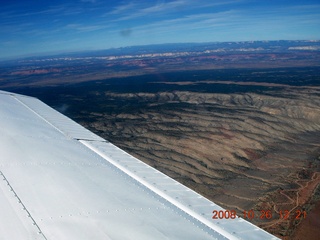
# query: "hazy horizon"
{"points": [[42, 27], [62, 52]]}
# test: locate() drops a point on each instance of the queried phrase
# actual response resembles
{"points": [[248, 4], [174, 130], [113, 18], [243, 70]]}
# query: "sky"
{"points": [[35, 27]]}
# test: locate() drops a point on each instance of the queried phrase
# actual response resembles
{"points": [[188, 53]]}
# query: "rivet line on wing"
{"points": [[23, 206]]}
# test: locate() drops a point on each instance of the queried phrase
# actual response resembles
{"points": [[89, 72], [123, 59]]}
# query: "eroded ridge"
{"points": [[236, 149]]}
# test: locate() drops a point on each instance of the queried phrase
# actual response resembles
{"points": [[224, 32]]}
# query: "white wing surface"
{"points": [[60, 181]]}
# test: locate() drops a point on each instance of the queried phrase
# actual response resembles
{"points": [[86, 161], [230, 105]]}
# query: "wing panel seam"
{"points": [[160, 193], [25, 105], [23, 206]]}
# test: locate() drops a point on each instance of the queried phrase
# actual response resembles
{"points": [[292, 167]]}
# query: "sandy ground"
{"points": [[310, 227]]}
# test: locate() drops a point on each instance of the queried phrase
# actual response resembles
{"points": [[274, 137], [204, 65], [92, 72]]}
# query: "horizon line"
{"points": [[53, 53]]}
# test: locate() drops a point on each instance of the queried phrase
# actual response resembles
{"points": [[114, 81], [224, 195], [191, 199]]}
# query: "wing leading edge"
{"points": [[58, 180]]}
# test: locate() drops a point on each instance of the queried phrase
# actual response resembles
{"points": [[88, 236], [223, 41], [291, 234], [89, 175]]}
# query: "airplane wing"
{"points": [[60, 181]]}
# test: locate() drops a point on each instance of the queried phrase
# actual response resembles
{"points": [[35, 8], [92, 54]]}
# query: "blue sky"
{"points": [[39, 26]]}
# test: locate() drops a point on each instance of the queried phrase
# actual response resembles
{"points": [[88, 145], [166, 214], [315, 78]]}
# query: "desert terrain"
{"points": [[241, 129], [243, 151], [244, 145]]}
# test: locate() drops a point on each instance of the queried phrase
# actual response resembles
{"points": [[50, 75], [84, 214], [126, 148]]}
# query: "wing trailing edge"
{"points": [[58, 180]]}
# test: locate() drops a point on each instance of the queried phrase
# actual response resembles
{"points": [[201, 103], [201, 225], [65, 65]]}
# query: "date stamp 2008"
{"points": [[262, 214]]}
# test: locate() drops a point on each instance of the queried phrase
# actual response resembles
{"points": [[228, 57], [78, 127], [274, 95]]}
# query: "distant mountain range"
{"points": [[156, 59], [192, 48]]}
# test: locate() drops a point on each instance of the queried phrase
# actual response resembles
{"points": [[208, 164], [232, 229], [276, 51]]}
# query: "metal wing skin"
{"points": [[60, 181]]}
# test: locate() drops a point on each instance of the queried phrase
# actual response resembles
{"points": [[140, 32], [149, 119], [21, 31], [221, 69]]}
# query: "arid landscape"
{"points": [[243, 151], [247, 138]]}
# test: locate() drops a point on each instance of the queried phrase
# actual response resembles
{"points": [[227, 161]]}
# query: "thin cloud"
{"points": [[85, 28], [87, 23], [231, 21], [124, 8], [134, 10], [89, 1], [311, 7], [164, 7], [186, 25]]}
